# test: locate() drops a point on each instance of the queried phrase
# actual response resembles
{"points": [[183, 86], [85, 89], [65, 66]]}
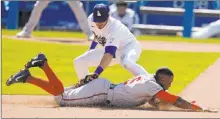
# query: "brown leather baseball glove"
{"points": [[86, 80]]}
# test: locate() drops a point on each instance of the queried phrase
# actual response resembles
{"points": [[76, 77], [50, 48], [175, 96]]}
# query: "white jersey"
{"points": [[136, 91], [128, 19], [113, 34]]}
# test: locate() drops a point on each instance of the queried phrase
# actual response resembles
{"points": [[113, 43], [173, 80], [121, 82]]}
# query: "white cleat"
{"points": [[23, 34]]}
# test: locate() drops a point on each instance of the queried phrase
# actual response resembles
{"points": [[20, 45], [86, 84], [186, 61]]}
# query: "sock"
{"points": [[45, 85], [52, 77]]}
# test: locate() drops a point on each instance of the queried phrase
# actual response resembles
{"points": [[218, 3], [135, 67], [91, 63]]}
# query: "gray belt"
{"points": [[110, 93]]}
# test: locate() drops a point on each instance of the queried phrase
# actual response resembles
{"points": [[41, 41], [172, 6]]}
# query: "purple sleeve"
{"points": [[111, 50]]}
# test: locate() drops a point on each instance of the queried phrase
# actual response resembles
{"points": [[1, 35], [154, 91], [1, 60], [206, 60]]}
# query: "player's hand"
{"points": [[90, 77], [205, 109], [86, 80], [209, 110]]}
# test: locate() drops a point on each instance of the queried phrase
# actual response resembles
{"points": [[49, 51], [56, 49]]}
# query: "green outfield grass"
{"points": [[15, 53], [81, 35]]}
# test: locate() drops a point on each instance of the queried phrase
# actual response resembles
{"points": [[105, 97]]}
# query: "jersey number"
{"points": [[133, 80]]}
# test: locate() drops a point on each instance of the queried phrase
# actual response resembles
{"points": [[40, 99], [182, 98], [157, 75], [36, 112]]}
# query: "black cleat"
{"points": [[37, 61], [19, 77]]}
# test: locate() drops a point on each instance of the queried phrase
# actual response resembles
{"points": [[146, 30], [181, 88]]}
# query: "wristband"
{"points": [[93, 45], [99, 70]]}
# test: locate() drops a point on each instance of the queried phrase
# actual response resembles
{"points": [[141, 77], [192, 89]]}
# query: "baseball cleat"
{"points": [[23, 34], [37, 61], [19, 77]]}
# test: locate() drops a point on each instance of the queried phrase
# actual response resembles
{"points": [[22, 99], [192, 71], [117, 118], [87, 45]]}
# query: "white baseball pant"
{"points": [[208, 31], [76, 7], [126, 56]]}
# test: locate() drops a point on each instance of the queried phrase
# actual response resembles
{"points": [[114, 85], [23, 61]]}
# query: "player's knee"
{"points": [[42, 4], [126, 63], [58, 90], [78, 61]]}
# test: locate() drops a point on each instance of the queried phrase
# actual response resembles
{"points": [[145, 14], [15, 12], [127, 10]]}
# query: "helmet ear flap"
{"points": [[156, 77]]}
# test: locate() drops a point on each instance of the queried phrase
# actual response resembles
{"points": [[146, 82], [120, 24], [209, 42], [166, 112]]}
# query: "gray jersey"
{"points": [[136, 91]]}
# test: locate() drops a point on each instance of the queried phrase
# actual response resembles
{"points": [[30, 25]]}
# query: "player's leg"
{"points": [[41, 61], [53, 79], [92, 93], [24, 76], [208, 31], [128, 57], [86, 60], [34, 18], [54, 86], [81, 17]]}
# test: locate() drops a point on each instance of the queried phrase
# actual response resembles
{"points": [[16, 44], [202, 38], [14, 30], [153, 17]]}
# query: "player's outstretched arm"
{"points": [[179, 102], [106, 59]]}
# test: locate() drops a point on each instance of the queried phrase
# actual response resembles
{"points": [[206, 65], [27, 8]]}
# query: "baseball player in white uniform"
{"points": [[76, 7], [208, 31], [117, 41], [127, 16], [135, 92]]}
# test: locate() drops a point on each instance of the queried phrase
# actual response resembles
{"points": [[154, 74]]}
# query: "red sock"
{"points": [[47, 86], [52, 76]]}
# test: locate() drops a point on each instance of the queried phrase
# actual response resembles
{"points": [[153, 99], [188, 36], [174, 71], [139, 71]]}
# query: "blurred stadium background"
{"points": [[152, 20]]}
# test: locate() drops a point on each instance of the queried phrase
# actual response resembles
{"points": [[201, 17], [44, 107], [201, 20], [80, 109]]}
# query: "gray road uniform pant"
{"points": [[100, 91]]}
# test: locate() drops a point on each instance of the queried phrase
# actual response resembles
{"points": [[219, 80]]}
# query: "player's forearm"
{"points": [[106, 60], [181, 103], [176, 101]]}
